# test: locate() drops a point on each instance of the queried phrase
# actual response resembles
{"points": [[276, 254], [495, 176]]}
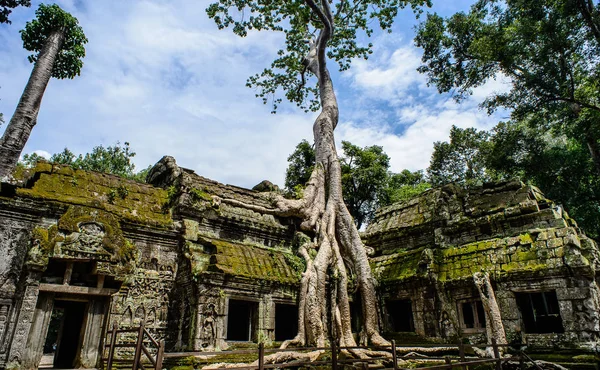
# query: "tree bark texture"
{"points": [[592, 145], [334, 239], [25, 117], [493, 319]]}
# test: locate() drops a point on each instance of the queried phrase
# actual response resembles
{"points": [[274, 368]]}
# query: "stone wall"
{"points": [[526, 243], [168, 255], [180, 256]]}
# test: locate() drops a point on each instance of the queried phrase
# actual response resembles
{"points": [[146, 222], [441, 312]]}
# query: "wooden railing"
{"points": [[142, 354], [143, 335], [336, 362]]}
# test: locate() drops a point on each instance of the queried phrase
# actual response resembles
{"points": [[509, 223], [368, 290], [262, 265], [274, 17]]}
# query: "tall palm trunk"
{"points": [[19, 128]]}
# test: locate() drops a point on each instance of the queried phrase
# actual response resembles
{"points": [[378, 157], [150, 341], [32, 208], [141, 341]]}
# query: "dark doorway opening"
{"points": [[400, 315], [356, 318], [286, 321], [540, 312], [64, 333], [242, 320]]}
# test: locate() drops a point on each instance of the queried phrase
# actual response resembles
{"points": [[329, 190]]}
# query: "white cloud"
{"points": [[161, 76], [389, 76], [412, 149], [43, 153], [498, 85]]}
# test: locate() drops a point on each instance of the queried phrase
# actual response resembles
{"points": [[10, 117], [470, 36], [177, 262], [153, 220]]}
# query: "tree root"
{"points": [[275, 358]]}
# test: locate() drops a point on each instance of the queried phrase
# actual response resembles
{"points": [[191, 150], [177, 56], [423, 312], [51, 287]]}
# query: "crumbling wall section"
{"points": [[527, 244]]}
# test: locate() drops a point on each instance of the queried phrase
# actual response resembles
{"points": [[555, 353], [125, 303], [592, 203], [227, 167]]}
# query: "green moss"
{"points": [[525, 239], [123, 198], [251, 261], [199, 195], [397, 267]]}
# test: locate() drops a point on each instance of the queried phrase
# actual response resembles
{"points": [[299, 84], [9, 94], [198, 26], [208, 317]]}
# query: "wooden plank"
{"points": [[148, 355], [111, 346], [72, 289]]}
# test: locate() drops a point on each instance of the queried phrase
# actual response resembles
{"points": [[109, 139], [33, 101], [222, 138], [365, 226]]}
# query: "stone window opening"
{"points": [[472, 316], [400, 315], [242, 321], [540, 312], [286, 321]]}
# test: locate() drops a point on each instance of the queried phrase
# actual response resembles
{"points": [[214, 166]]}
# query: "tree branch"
{"points": [[586, 8]]}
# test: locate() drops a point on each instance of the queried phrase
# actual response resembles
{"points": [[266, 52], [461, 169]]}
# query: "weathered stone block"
{"points": [[555, 242]]}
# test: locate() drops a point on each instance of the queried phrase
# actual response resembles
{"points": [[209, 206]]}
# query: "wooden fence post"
{"points": [[111, 348], [159, 355], [394, 355], [521, 361], [448, 362], [461, 352], [497, 354], [333, 355], [138, 348], [261, 356]]}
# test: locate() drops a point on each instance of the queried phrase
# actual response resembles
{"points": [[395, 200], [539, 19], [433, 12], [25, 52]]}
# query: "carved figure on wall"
{"points": [[140, 315], [446, 326], [128, 316], [209, 330], [36, 256], [89, 239], [151, 318]]}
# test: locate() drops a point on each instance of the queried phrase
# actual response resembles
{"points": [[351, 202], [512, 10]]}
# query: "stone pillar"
{"points": [[38, 331], [92, 337], [6, 317], [23, 325]]}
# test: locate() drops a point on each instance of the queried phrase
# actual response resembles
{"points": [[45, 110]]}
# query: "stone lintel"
{"points": [[57, 288]]}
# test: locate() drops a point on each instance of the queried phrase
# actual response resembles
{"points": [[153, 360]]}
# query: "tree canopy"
{"points": [[50, 18], [352, 21], [300, 167], [462, 160], [367, 182], [7, 6], [549, 50], [114, 159]]}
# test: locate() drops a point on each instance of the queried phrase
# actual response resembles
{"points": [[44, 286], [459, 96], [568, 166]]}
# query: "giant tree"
{"points": [[335, 30], [56, 40], [549, 51]]}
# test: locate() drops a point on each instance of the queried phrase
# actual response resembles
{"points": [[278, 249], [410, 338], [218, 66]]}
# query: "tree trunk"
{"points": [[592, 145], [493, 319], [19, 128], [325, 217], [586, 8]]}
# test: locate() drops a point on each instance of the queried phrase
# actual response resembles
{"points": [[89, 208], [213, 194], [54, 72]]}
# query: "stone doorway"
{"points": [[286, 321], [400, 315], [64, 333], [242, 320]]}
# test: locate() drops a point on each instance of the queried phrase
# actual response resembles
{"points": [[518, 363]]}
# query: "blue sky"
{"points": [[159, 75]]}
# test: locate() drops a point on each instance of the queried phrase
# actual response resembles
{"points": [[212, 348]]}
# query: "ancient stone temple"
{"points": [[82, 251]]}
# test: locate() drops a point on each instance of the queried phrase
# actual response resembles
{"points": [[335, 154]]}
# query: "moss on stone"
{"points": [[498, 256], [250, 261], [200, 195], [134, 202]]}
